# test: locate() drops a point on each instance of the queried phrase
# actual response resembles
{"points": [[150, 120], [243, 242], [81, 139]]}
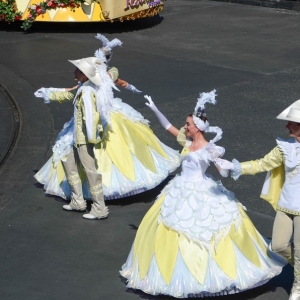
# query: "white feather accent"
{"points": [[106, 43], [100, 55], [105, 96], [217, 130], [64, 143], [206, 98]]}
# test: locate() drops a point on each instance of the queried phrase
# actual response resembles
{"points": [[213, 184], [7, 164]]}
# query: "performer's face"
{"points": [[293, 128], [190, 127], [79, 76]]}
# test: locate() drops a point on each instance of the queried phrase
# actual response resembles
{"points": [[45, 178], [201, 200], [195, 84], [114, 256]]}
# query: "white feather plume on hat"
{"points": [[106, 43]]}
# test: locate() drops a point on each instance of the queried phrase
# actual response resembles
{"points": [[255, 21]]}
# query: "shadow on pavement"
{"points": [[86, 27]]}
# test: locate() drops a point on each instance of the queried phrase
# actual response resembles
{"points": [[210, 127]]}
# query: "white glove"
{"points": [[150, 103], [224, 164], [132, 88], [40, 93], [161, 118]]}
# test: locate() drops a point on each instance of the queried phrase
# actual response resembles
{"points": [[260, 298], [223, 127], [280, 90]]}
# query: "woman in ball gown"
{"points": [[131, 159], [196, 240]]}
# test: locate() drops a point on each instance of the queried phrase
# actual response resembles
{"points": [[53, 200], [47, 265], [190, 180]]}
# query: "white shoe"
{"points": [[69, 208], [92, 217], [295, 296]]}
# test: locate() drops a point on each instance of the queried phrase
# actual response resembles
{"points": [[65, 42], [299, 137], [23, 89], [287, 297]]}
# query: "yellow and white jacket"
{"points": [[282, 184]]}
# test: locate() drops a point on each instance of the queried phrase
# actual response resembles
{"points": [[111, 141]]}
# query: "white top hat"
{"points": [[89, 67], [292, 113]]}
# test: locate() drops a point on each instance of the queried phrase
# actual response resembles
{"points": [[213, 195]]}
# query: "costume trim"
{"points": [[288, 211]]}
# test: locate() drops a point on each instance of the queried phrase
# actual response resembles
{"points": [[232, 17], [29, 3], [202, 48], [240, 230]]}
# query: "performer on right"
{"points": [[281, 189], [197, 240]]}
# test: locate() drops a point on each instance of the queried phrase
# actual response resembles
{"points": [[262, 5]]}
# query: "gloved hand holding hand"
{"points": [[40, 93], [224, 164]]}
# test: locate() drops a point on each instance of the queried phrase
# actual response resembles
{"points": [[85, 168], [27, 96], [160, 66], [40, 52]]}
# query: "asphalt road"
{"points": [[249, 54]]}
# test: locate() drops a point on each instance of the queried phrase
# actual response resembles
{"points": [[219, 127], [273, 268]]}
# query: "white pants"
{"points": [[84, 154]]}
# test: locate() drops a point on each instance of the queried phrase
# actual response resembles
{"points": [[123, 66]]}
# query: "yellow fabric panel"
{"points": [[65, 14], [136, 146], [277, 179], [244, 242], [166, 250], [61, 96], [195, 258], [181, 137], [104, 164], [146, 134], [60, 172], [252, 230], [119, 152], [273, 162], [114, 73], [144, 243], [269, 162], [225, 257], [185, 151]]}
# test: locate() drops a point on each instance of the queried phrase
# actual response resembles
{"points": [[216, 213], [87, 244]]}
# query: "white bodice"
{"points": [[290, 194], [194, 164], [195, 203]]}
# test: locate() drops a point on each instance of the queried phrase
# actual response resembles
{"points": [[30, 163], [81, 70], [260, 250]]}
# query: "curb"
{"points": [[16, 130]]}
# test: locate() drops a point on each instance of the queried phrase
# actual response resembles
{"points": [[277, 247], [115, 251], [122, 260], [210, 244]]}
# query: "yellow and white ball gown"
{"points": [[132, 159], [196, 240]]}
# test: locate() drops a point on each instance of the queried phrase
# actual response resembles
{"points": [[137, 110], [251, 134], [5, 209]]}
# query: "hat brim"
{"points": [[284, 115], [95, 79]]}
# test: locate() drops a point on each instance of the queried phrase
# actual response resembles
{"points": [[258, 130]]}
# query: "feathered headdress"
{"points": [[108, 45], [200, 112]]}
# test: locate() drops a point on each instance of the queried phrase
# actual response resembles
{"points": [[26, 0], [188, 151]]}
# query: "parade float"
{"points": [[29, 11]]}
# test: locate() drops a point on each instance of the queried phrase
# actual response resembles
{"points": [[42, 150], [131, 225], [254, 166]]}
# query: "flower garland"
{"points": [[9, 12], [40, 8]]}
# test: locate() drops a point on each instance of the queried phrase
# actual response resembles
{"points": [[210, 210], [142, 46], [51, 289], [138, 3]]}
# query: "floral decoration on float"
{"points": [[30, 11]]}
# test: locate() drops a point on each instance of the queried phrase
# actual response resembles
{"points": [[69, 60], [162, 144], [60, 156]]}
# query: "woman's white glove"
{"points": [[132, 88], [224, 164], [161, 118], [40, 93]]}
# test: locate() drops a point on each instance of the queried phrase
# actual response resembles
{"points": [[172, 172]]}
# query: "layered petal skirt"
{"points": [[197, 241], [131, 161]]}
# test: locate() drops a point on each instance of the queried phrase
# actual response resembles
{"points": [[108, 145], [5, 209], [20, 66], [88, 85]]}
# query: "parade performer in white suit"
{"points": [[87, 132], [131, 159], [281, 189], [196, 240]]}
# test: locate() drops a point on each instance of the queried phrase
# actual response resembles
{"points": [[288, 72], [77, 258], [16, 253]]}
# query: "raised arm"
{"points": [[56, 94], [161, 118], [114, 74]]}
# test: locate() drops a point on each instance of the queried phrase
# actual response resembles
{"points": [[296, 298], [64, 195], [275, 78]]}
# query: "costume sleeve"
{"points": [[60, 95], [270, 161], [92, 117], [114, 73], [213, 151], [181, 137]]}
